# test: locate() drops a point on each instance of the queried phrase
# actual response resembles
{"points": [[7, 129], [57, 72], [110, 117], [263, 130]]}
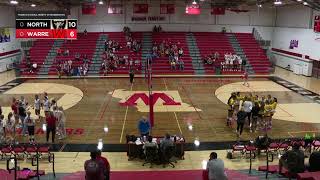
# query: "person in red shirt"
{"points": [[51, 125], [106, 164]]}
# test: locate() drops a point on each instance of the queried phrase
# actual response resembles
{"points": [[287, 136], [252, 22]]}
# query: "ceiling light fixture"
{"points": [[194, 2], [101, 2], [33, 5], [305, 3], [14, 2], [299, 0], [260, 5], [277, 2]]}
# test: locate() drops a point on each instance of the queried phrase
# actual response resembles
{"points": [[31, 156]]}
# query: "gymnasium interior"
{"points": [[230, 86]]}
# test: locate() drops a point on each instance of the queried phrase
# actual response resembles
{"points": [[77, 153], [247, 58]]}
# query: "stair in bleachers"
{"points": [[44, 70], [95, 66], [254, 53], [211, 42], [239, 51], [195, 55], [146, 49], [38, 53]]}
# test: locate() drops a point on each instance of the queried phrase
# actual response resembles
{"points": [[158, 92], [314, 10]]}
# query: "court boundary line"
{"points": [[125, 118], [175, 114]]}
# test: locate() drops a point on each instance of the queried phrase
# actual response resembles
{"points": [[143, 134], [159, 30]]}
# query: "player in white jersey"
{"points": [[37, 106]]}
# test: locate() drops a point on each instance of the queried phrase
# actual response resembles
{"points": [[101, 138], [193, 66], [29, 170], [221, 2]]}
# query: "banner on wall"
{"points": [[167, 8], [193, 9], [316, 26], [115, 9], [140, 8], [218, 10], [4, 35], [89, 8]]}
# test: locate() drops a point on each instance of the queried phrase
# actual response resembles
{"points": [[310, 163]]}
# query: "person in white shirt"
{"points": [[240, 63], [37, 106], [215, 168], [30, 123], [46, 104], [247, 107], [61, 117]]}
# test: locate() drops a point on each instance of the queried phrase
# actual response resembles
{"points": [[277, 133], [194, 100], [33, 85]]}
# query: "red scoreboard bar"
{"points": [[46, 28]]}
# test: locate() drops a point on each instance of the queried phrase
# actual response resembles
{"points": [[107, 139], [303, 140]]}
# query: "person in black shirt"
{"points": [[255, 114], [241, 118], [314, 162]]}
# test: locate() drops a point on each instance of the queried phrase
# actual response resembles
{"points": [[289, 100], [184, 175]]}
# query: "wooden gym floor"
{"points": [[93, 104]]}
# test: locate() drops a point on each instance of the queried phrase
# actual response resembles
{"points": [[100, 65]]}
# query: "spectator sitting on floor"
{"points": [[106, 164], [144, 126], [215, 168], [293, 160], [149, 143], [94, 168]]}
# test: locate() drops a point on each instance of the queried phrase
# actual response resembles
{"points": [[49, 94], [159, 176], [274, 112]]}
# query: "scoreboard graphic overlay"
{"points": [[46, 28]]}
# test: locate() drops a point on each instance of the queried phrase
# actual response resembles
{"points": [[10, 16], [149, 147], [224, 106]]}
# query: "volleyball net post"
{"points": [[149, 77]]}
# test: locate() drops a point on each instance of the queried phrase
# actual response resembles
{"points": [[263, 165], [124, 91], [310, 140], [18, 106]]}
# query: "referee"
{"points": [[131, 75]]}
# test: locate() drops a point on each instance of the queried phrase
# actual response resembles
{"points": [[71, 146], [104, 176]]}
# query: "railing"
{"points": [[268, 160], [259, 39], [15, 166]]}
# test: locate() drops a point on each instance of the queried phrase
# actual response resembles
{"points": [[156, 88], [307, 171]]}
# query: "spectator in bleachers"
{"points": [[173, 65], [85, 32], [180, 52], [77, 56], [66, 52], [293, 160], [181, 64], [59, 51], [215, 168]]}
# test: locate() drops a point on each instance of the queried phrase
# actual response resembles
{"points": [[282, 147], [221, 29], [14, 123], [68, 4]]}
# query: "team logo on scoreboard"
{"points": [[59, 24], [164, 101]]}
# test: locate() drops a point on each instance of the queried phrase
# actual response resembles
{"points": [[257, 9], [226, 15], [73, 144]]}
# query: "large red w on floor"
{"points": [[132, 100]]}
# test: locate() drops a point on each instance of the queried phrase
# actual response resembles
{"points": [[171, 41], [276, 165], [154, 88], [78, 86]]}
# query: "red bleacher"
{"points": [[38, 53], [161, 65], [85, 45], [254, 53], [120, 38], [207, 43], [210, 42]]}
